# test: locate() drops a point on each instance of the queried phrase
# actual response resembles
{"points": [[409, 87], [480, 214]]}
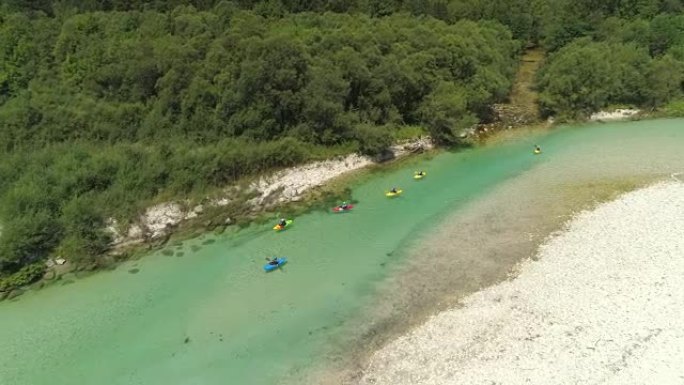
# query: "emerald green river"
{"points": [[209, 314]]}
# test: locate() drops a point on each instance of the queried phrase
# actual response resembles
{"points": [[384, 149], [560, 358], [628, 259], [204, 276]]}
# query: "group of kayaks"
{"points": [[395, 192], [276, 262]]}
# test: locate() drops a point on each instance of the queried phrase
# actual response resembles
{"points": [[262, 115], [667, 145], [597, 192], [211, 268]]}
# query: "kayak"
{"points": [[417, 176], [281, 228], [339, 209], [281, 261], [390, 194]]}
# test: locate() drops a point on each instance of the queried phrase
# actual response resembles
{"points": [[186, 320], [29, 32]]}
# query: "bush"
{"points": [[373, 140], [674, 108], [25, 276], [446, 114]]}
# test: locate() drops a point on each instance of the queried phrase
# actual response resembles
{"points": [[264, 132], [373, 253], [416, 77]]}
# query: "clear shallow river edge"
{"points": [[207, 314]]}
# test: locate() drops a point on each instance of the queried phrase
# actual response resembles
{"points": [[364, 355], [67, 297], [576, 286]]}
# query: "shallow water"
{"points": [[213, 316]]}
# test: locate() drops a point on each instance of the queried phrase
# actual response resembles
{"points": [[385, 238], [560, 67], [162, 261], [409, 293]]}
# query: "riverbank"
{"points": [[572, 313], [256, 196], [286, 191], [244, 201], [478, 246], [195, 311]]}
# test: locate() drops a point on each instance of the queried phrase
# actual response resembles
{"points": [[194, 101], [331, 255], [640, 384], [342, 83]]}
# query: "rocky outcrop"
{"points": [[290, 184], [618, 114], [158, 219]]}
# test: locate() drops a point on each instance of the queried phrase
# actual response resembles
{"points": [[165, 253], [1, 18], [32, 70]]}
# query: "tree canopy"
{"points": [[109, 105]]}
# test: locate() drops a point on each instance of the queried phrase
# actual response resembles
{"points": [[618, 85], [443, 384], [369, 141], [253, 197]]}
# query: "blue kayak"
{"points": [[270, 267]]}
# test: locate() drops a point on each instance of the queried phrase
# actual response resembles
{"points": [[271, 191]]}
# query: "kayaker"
{"points": [[421, 173], [273, 262], [393, 190], [344, 205], [282, 223], [537, 148]]}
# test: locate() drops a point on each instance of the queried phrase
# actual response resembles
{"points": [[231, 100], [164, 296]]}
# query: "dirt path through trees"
{"points": [[523, 97]]}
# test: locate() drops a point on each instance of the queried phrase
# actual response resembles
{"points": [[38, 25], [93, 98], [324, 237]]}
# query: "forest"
{"points": [[109, 105]]}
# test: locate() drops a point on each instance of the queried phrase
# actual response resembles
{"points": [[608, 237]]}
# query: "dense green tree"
{"points": [[578, 79], [446, 114], [109, 105], [84, 230], [103, 111], [666, 31], [665, 79], [585, 76], [27, 239], [373, 140]]}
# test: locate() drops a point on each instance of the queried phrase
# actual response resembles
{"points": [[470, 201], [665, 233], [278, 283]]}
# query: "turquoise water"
{"points": [[212, 316]]}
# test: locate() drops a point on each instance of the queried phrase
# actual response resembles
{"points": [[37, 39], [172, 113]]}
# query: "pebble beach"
{"points": [[600, 303]]}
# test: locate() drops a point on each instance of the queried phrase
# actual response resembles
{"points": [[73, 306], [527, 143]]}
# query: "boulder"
{"points": [[14, 293], [49, 275]]}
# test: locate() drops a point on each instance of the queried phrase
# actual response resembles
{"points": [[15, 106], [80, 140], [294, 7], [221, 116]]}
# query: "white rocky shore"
{"points": [[287, 185], [617, 114], [603, 304]]}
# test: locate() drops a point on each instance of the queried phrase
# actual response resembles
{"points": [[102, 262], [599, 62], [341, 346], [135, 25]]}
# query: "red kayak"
{"points": [[339, 209]]}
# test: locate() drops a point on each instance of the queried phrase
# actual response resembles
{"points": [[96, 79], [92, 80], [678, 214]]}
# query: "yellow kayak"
{"points": [[390, 194], [419, 176], [281, 228]]}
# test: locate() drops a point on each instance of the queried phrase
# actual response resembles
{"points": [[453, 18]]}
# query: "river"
{"points": [[204, 312]]}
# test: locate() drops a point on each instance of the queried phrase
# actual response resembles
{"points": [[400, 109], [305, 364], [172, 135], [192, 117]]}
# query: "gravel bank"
{"points": [[602, 305]]}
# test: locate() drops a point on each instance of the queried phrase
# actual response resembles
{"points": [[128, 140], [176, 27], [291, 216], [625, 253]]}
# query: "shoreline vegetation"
{"points": [[119, 120], [292, 190]]}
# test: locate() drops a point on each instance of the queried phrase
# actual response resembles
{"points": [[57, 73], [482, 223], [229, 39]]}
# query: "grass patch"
{"points": [[674, 108], [409, 132]]}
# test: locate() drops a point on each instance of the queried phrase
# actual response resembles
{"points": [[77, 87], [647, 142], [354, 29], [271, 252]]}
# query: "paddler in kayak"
{"points": [[273, 262], [393, 190], [420, 173], [344, 205], [282, 223], [537, 149]]}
